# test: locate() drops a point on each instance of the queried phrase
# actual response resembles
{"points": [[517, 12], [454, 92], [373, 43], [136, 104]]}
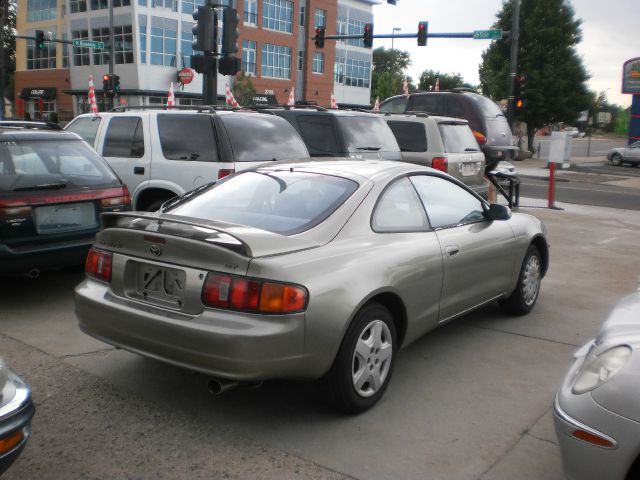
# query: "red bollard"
{"points": [[552, 184]]}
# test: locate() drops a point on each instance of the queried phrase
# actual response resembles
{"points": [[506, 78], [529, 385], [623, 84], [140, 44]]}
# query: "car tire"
{"points": [[524, 297], [616, 160], [362, 369]]}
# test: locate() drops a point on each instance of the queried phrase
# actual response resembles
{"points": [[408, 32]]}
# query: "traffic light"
{"points": [[229, 65], [203, 64], [116, 83], [367, 35], [105, 82], [423, 28], [205, 29], [520, 101], [40, 39], [230, 30], [319, 38]]}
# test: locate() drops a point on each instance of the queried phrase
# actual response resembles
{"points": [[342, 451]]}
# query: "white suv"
{"points": [[160, 154]]}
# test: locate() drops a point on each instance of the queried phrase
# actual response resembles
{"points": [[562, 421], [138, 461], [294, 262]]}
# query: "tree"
{"points": [[447, 81], [389, 72], [243, 89], [8, 16], [556, 88]]}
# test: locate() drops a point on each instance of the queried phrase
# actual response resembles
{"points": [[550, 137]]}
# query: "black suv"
{"points": [[342, 133], [485, 118]]}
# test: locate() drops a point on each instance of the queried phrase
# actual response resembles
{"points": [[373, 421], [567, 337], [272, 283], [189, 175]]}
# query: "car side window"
{"points": [[411, 136], [319, 134], [399, 210], [397, 105], [427, 103], [86, 127], [447, 204], [124, 138], [187, 137]]}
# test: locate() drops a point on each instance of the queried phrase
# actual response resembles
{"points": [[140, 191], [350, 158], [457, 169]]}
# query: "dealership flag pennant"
{"points": [[292, 97], [438, 84], [230, 99], [334, 102], [92, 97], [171, 100], [376, 105], [405, 86]]}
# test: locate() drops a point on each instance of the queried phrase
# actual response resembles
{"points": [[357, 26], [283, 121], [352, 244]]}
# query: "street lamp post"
{"points": [[395, 29]]}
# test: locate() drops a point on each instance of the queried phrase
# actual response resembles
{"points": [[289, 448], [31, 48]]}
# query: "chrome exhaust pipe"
{"points": [[33, 273], [218, 386]]}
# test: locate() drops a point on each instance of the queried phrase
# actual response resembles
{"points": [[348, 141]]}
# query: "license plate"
{"points": [[65, 218], [468, 169], [164, 285]]}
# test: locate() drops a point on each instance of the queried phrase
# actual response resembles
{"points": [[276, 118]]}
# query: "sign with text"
{"points": [[88, 44], [631, 76], [487, 34]]}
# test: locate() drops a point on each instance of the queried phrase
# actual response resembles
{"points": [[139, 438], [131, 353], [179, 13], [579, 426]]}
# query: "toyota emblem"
{"points": [[155, 250]]}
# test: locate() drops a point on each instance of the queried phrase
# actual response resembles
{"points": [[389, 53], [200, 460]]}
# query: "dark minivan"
{"points": [[485, 118]]}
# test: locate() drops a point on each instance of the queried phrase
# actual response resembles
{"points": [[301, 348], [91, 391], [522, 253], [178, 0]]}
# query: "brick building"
{"points": [[153, 42]]}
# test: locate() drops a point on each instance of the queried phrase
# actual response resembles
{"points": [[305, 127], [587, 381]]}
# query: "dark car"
{"points": [[16, 412], [342, 133], [485, 118], [53, 187]]}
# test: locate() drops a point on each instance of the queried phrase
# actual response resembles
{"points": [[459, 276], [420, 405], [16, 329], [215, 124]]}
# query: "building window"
{"points": [[350, 26], [78, 6], [38, 10], [65, 52], [250, 12], [163, 47], [188, 6], [81, 55], [170, 4], [33, 108], [122, 41], [186, 47], [99, 4], [320, 18], [302, 15], [249, 57], [318, 62], [352, 73], [300, 60], [189, 101], [41, 59], [276, 61], [277, 15], [121, 3], [142, 41]]}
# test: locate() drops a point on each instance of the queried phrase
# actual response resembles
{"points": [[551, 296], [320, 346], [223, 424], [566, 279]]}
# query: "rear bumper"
{"points": [[16, 417], [223, 344], [43, 257]]}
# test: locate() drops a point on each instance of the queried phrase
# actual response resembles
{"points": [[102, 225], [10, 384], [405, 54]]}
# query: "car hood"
{"points": [[623, 323]]}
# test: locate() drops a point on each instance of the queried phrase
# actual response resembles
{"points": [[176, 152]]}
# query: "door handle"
{"points": [[138, 170], [452, 250]]}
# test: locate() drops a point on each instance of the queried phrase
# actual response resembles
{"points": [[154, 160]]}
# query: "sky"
{"points": [[610, 36]]}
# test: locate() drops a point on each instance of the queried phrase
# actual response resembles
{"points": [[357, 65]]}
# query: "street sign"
{"points": [[487, 34], [88, 44]]}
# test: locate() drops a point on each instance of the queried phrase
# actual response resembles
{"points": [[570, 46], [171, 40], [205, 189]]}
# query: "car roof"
{"points": [[21, 134]]}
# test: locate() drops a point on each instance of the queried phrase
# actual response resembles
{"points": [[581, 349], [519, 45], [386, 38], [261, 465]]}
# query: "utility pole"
{"points": [[210, 84], [111, 53], [3, 16], [513, 63]]}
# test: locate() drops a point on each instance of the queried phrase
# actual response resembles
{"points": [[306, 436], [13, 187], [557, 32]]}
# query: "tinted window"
{"points": [[261, 138], [71, 163], [86, 127], [452, 107], [124, 138], [487, 106], [427, 103], [187, 137], [396, 105], [458, 138], [283, 202], [411, 136], [447, 204], [363, 134], [399, 210], [319, 134]]}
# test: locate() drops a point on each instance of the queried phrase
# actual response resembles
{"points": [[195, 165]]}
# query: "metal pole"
{"points": [[210, 83], [515, 33], [2, 76], [111, 51]]}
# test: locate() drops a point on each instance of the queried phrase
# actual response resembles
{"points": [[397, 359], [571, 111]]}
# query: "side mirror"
{"points": [[499, 212]]}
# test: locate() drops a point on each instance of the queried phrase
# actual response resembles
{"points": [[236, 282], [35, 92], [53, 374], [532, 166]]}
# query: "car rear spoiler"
{"points": [[247, 241]]}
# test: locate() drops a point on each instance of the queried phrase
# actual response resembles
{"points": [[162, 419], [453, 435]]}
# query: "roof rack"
{"points": [[34, 125], [304, 107], [464, 89], [199, 108], [421, 113]]}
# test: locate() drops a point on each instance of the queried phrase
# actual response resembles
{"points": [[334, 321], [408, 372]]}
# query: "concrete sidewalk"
{"points": [[538, 167]]}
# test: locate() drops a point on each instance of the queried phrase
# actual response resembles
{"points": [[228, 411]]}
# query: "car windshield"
{"points": [[51, 164], [363, 134], [285, 202]]}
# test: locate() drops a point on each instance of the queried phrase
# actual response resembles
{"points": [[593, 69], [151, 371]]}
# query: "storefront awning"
{"points": [[46, 93]]}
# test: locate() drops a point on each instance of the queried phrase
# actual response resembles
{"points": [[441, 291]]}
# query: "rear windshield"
{"points": [[458, 138], [263, 138], [283, 202], [54, 164], [362, 134], [487, 106]]}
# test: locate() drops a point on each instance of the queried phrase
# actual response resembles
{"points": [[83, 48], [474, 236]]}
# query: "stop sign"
{"points": [[185, 76]]}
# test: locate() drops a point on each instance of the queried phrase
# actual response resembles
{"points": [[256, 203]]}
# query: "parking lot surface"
{"points": [[471, 400]]}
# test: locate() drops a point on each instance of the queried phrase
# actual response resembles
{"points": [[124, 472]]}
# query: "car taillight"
{"points": [[122, 199], [223, 172], [480, 137], [7, 212], [439, 163], [252, 295], [98, 265]]}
